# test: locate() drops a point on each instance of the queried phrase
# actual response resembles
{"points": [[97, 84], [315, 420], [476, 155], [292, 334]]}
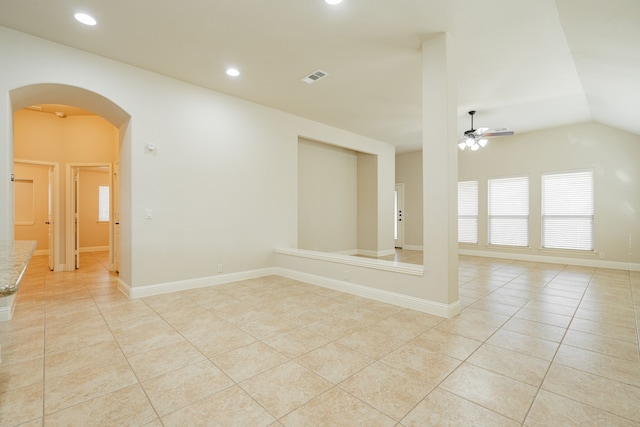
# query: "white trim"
{"points": [[425, 306], [376, 264], [406, 301], [597, 263], [6, 312], [94, 249], [183, 285], [413, 247]]}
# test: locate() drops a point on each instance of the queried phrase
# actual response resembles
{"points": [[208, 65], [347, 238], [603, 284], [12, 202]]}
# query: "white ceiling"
{"points": [[522, 64]]}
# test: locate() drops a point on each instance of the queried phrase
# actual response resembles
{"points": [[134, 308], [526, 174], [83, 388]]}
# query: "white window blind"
{"points": [[468, 212], [103, 203], [567, 210], [509, 211]]}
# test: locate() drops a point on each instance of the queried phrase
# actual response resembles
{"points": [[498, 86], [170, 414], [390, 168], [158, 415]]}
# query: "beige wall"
{"points": [[612, 154], [93, 234], [409, 173], [327, 197], [367, 204], [36, 205], [75, 139]]}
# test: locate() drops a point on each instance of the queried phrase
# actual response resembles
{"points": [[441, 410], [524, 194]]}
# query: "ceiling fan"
{"points": [[476, 138]]}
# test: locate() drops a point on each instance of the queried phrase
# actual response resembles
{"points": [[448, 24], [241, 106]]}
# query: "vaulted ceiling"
{"points": [[522, 64]]}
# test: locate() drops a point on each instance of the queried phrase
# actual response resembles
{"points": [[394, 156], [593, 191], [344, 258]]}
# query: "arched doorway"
{"points": [[39, 94]]}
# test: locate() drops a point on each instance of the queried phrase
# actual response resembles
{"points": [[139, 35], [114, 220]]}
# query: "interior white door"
{"points": [[50, 220], [76, 216], [399, 216]]}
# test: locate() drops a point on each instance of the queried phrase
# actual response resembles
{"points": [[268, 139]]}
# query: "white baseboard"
{"points": [[597, 263], [426, 306], [94, 249], [413, 247], [6, 312], [183, 285], [375, 254], [406, 301]]}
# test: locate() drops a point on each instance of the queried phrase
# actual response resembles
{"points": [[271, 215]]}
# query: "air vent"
{"points": [[314, 77]]}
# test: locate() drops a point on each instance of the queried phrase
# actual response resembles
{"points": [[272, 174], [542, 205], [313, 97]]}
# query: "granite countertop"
{"points": [[14, 257]]}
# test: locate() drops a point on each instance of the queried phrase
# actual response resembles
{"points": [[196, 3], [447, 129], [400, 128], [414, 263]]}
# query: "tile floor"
{"points": [[536, 345]]}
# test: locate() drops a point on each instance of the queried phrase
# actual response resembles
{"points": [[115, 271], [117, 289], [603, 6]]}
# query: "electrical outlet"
{"points": [[601, 254], [346, 275], [219, 268]]}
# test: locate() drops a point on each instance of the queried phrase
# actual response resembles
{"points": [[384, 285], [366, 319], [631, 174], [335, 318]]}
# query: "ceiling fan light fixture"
{"points": [[483, 142], [475, 147], [470, 141], [462, 145]]}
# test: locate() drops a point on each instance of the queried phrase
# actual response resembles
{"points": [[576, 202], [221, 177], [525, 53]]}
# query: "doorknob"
{"points": [[47, 222]]}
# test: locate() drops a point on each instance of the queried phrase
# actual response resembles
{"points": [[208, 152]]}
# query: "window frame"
{"points": [[591, 216], [527, 217], [471, 217]]}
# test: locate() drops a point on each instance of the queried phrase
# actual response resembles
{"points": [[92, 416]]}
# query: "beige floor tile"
{"points": [[296, 342], [229, 407], [623, 333], [59, 364], [526, 344], [66, 339], [149, 338], [441, 408], [126, 407], [265, 326], [162, 360], [392, 391], [452, 345], [333, 328], [85, 384], [21, 374], [519, 366], [177, 389], [620, 317], [284, 388], [609, 346], [496, 392], [371, 342], [544, 317], [335, 362], [21, 405], [535, 329], [612, 396], [599, 364], [337, 408], [466, 328], [248, 361], [495, 307], [218, 341], [421, 363], [551, 409], [481, 316]]}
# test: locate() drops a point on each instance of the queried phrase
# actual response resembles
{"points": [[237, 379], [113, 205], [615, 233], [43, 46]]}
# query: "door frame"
{"points": [[71, 224], [399, 215], [54, 201]]}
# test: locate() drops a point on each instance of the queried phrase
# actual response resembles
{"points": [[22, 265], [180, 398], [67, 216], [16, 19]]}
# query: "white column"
{"points": [[440, 171]]}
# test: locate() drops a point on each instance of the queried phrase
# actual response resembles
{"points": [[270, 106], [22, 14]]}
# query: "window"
{"points": [[567, 210], [468, 212], [509, 211], [103, 203]]}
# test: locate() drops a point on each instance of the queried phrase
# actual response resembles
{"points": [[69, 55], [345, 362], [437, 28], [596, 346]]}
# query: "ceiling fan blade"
{"points": [[480, 131], [496, 132]]}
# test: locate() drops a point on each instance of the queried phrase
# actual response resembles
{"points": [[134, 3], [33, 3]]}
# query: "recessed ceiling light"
{"points": [[233, 72], [333, 1], [85, 19]]}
